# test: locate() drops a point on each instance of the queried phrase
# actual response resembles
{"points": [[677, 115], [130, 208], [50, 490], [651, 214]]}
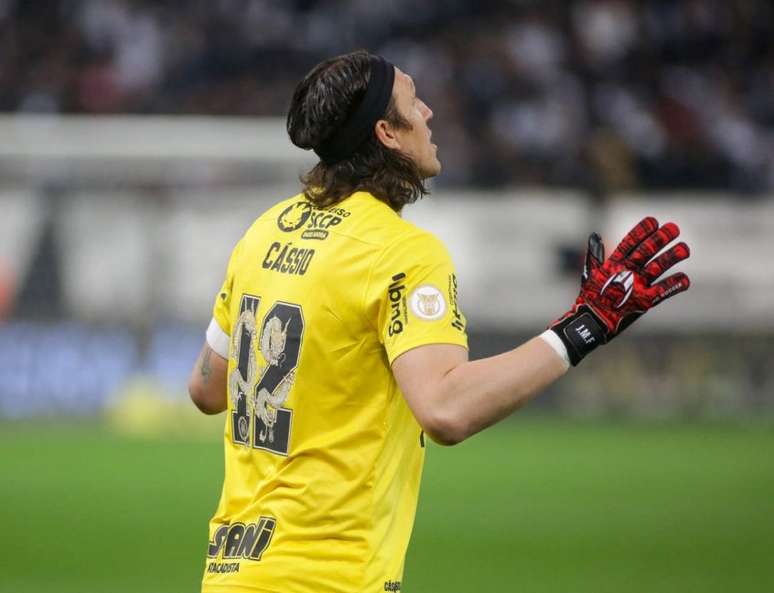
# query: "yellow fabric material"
{"points": [[323, 457]]}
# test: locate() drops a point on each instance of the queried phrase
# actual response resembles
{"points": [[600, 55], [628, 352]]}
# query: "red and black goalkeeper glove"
{"points": [[616, 291]]}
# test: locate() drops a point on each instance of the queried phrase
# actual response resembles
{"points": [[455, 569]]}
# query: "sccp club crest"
{"points": [[294, 216]]}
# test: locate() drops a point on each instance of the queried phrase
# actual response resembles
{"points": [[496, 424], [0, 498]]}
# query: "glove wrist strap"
{"points": [[580, 332]]}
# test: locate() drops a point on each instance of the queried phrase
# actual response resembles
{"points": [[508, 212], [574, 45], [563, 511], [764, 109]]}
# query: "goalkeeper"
{"points": [[336, 343]]}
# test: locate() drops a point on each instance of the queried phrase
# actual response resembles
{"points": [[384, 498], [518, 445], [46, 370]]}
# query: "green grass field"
{"points": [[529, 506]]}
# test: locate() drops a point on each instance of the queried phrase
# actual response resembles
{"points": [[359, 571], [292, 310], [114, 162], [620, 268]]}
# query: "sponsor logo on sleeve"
{"points": [[396, 295], [427, 302], [458, 322]]}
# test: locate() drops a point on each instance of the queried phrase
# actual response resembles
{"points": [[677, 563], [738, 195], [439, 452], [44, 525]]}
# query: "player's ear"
{"points": [[385, 133]]}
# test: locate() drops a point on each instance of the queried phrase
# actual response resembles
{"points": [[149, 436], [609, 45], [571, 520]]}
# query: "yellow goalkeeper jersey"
{"points": [[323, 457]]}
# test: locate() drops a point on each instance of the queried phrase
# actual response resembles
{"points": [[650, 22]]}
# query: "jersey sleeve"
{"points": [[219, 330], [413, 285]]}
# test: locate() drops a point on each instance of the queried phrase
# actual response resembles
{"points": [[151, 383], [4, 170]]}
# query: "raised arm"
{"points": [[453, 398]]}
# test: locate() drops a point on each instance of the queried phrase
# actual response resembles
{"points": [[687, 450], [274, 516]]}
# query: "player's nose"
{"points": [[427, 113]]}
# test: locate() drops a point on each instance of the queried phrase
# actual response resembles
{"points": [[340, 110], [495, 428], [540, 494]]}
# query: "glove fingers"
{"points": [[666, 260], [634, 237], [669, 287], [653, 244]]}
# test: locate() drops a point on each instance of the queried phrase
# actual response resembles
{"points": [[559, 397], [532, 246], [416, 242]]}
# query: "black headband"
{"points": [[345, 141]]}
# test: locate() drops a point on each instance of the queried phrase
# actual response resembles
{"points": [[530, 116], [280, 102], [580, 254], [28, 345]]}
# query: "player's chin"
{"points": [[433, 167], [432, 171]]}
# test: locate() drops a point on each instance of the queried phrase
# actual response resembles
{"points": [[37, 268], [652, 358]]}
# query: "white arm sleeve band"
{"points": [[218, 339], [550, 338]]}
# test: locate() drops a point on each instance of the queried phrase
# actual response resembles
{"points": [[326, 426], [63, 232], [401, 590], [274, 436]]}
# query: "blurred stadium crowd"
{"points": [[601, 94]]}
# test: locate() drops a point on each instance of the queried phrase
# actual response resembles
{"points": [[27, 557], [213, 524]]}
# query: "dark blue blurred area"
{"points": [[69, 368], [170, 354], [601, 94]]}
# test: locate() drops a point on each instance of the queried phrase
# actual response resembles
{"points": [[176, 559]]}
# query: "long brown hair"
{"points": [[321, 102]]}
